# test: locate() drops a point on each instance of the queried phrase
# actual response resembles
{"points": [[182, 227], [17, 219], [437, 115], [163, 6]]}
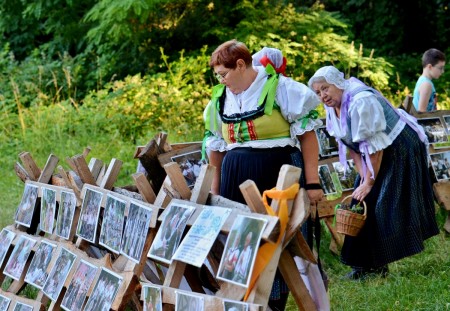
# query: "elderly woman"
{"points": [[254, 122], [390, 153]]}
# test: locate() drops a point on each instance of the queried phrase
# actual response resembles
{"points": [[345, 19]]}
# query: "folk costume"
{"points": [[400, 206]]}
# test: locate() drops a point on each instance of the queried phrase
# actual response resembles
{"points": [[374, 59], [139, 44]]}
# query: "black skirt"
{"points": [[400, 207]]}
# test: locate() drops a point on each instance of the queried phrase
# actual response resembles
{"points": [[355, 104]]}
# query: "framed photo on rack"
{"points": [[66, 212], [25, 210], [328, 146], [186, 301], [90, 209], [112, 224], [38, 270], [230, 305], [190, 165], [434, 129], [440, 162], [325, 180], [346, 178], [79, 286], [19, 256], [136, 230], [4, 303], [6, 238], [152, 297], [48, 210], [22, 307], [104, 292], [57, 277]]}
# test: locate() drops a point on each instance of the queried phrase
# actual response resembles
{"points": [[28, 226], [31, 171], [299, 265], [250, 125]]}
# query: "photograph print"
{"points": [[434, 129], [240, 250], [190, 164], [229, 305], [57, 277], [90, 209], [79, 286], [22, 307], [66, 212], [25, 210], [4, 303], [328, 145], [170, 232], [188, 302], [346, 177], [104, 292], [447, 123], [6, 238], [152, 298], [441, 165], [136, 229], [19, 256], [325, 180], [38, 270], [48, 209], [112, 224]]}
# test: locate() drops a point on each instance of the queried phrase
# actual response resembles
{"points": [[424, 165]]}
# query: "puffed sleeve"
{"points": [[368, 122], [296, 101], [214, 140]]}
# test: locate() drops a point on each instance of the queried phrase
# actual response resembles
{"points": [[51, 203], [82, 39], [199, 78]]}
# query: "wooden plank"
{"points": [[48, 170], [72, 165], [111, 174], [202, 185], [252, 196], [149, 160], [165, 158], [21, 172], [144, 187], [442, 192], [95, 166], [178, 183], [82, 170], [86, 151], [30, 166], [299, 214], [163, 198], [71, 184]]}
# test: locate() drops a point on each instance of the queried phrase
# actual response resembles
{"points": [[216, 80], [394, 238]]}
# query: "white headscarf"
{"points": [[331, 75], [272, 56]]}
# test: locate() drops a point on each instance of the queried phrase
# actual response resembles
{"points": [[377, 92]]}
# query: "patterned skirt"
{"points": [[263, 167], [400, 207]]}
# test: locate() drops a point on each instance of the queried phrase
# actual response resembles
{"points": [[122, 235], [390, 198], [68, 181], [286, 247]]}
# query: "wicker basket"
{"points": [[348, 222]]}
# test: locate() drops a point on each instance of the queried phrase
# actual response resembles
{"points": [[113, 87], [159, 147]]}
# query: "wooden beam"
{"points": [[177, 180], [95, 166], [48, 170], [144, 187], [111, 174], [202, 185], [83, 170], [21, 172], [30, 166]]}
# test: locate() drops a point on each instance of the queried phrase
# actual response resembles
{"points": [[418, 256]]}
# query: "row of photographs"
{"points": [[437, 130], [127, 235], [51, 281]]}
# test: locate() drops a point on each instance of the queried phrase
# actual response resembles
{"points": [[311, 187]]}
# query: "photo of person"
{"points": [[170, 232], [441, 165], [328, 145], [6, 237], [79, 286], [25, 210], [4, 303], [325, 180], [104, 292], [58, 274], [242, 242], [112, 224], [188, 302], [37, 272], [152, 298], [90, 209], [229, 305], [447, 123], [190, 164], [348, 179], [66, 212], [136, 230], [22, 307], [434, 129], [19, 256], [48, 209]]}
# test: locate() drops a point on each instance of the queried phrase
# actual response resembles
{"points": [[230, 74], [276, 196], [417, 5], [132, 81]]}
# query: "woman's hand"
{"points": [[315, 195], [361, 192]]}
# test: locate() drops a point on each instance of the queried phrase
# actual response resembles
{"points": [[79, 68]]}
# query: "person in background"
{"points": [[424, 96], [254, 124], [389, 150]]}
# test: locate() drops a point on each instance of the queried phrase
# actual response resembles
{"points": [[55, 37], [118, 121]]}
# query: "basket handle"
{"points": [[363, 202]]}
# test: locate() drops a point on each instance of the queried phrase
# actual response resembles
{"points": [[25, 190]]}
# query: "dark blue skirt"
{"points": [[400, 207], [263, 167]]}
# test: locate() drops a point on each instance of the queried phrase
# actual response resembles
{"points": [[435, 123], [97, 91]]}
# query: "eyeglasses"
{"points": [[222, 76], [441, 68]]}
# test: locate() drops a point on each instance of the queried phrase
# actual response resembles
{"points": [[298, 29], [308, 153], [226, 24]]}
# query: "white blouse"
{"points": [[295, 100], [367, 123]]}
